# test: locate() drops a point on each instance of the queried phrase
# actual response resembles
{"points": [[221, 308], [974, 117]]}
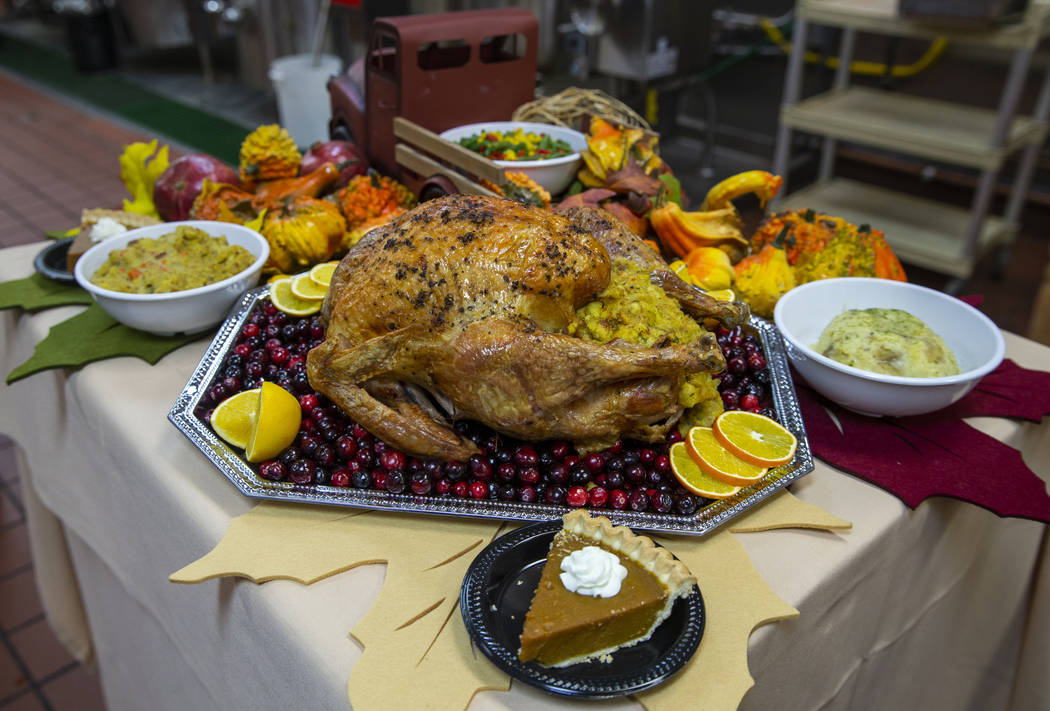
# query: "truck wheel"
{"points": [[436, 186]]}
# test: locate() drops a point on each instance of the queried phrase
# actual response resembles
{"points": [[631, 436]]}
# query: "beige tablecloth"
{"points": [[943, 607]]}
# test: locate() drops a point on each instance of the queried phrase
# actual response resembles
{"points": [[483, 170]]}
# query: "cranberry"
{"points": [[279, 355], [570, 459], [730, 399], [270, 310], [340, 478], [308, 444], [232, 384], [618, 499], [250, 330], [750, 402], [242, 349], [662, 463], [479, 490], [554, 495], [506, 472], [638, 500], [736, 365], [420, 483], [379, 478], [295, 363], [616, 447], [392, 459], [675, 436], [324, 455], [526, 456], [559, 473], [594, 462], [598, 496], [442, 486], [347, 446], [526, 494], [756, 362], [635, 473], [560, 449], [480, 468], [686, 505], [455, 470], [460, 489], [395, 481], [529, 475], [615, 479], [254, 370], [272, 470], [302, 471], [361, 479], [663, 502], [576, 497], [506, 492], [271, 343]]}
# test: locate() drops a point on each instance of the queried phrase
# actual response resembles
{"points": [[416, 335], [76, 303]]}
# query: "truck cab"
{"points": [[438, 71]]}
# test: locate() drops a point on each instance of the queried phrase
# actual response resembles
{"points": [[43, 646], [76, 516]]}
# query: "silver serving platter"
{"points": [[232, 464]]}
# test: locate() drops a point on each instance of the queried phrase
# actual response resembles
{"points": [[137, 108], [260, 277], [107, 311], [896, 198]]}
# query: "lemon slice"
{"points": [[717, 461], [276, 278], [681, 270], [755, 438], [722, 294], [234, 418], [276, 425], [282, 297], [692, 477], [304, 287], [322, 273]]}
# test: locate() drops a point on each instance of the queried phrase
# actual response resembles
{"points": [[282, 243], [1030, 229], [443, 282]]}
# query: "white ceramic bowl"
{"points": [[186, 311], [555, 174], [803, 312]]}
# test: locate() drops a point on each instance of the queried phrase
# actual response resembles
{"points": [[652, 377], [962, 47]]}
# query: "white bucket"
{"points": [[302, 95]]}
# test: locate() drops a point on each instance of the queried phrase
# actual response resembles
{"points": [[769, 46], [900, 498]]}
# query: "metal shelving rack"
{"points": [[936, 236]]}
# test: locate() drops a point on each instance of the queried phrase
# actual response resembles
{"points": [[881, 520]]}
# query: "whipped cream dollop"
{"points": [[592, 571], [105, 228]]}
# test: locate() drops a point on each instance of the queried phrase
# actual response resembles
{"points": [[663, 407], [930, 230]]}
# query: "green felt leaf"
{"points": [[38, 292], [95, 335]]}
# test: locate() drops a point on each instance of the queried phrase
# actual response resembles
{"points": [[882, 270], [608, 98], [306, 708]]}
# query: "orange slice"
{"points": [[717, 461], [277, 424], [282, 297], [693, 478], [755, 438], [304, 287], [234, 418], [322, 273]]}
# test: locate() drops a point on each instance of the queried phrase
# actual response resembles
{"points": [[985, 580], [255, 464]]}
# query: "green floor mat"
{"points": [[110, 92]]}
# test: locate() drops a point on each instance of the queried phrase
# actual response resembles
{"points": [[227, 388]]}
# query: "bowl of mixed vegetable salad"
{"points": [[548, 154]]}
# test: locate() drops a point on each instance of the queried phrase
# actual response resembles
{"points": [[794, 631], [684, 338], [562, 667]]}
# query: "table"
{"points": [[943, 607]]}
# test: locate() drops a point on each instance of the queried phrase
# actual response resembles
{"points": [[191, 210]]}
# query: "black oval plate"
{"points": [[51, 261], [496, 594]]}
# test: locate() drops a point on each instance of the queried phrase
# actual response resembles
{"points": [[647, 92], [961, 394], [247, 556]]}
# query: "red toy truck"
{"points": [[438, 71]]}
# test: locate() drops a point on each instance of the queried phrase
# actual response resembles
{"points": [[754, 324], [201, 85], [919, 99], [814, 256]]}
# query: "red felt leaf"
{"points": [[915, 458]]}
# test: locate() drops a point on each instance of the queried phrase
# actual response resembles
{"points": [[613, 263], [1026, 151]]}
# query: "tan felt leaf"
{"points": [[736, 601], [785, 510]]}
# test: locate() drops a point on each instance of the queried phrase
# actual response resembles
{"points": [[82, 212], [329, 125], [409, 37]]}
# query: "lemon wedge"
{"points": [[276, 425]]}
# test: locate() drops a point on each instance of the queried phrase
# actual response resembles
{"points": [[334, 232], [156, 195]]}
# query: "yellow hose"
{"points": [[931, 54]]}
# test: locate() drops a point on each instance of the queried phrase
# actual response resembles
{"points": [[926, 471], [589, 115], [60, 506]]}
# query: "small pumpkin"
{"points": [[302, 233], [762, 278], [710, 268]]}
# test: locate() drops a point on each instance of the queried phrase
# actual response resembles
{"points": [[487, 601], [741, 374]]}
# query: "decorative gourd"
{"points": [[310, 185], [761, 279], [224, 203], [268, 153], [710, 268], [681, 232], [822, 246], [367, 197], [302, 233]]}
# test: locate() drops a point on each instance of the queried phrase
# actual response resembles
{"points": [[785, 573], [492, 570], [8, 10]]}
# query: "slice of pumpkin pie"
{"points": [[602, 588]]}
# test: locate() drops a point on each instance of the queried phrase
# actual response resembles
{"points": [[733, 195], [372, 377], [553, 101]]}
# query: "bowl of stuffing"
{"points": [[548, 154], [173, 277], [886, 348]]}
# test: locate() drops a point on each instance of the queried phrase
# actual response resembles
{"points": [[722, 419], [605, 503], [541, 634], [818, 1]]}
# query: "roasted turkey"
{"points": [[460, 308]]}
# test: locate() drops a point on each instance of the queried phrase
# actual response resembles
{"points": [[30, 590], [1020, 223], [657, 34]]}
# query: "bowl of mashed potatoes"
{"points": [[174, 277], [886, 348]]}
